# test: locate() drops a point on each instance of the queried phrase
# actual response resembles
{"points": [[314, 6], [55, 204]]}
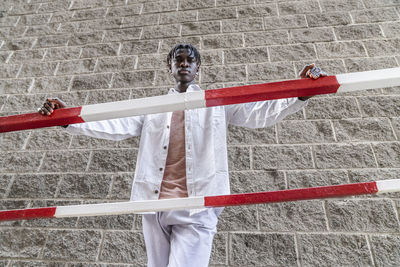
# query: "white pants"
{"points": [[176, 239]]}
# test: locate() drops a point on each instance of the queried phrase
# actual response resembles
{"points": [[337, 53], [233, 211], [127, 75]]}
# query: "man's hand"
{"points": [[50, 105], [311, 71]]}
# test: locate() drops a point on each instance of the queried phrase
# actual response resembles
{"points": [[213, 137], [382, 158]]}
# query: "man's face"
{"points": [[184, 65]]}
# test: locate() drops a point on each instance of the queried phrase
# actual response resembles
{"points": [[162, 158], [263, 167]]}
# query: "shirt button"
{"points": [[161, 169], [156, 191], [165, 147], [167, 126]]}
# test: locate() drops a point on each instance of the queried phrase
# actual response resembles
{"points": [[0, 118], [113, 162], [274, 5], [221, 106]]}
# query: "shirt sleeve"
{"points": [[264, 113], [115, 129]]}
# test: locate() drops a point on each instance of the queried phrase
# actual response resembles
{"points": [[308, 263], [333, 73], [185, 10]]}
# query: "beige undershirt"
{"points": [[174, 180]]}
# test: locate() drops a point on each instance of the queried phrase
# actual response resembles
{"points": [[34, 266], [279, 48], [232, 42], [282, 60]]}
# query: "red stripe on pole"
{"points": [[268, 91], [27, 214], [35, 120], [291, 195]]}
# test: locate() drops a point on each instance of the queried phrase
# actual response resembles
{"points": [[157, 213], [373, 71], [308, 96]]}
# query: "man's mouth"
{"points": [[184, 72]]}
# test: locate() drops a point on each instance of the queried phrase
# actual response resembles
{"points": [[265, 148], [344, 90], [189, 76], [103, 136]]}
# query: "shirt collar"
{"points": [[191, 88]]}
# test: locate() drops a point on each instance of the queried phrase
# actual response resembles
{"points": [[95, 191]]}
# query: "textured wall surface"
{"points": [[91, 51]]}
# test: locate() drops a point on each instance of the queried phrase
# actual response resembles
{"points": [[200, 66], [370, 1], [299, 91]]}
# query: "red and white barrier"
{"points": [[233, 95], [203, 202]]}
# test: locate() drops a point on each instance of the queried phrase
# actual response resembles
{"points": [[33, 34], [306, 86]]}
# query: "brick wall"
{"points": [[91, 51]]}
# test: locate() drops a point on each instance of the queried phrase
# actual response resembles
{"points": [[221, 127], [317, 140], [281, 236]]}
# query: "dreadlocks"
{"points": [[192, 51]]}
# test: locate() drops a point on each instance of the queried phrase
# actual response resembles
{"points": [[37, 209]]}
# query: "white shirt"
{"points": [[205, 137]]}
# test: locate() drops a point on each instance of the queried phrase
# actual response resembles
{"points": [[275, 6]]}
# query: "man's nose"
{"points": [[184, 63]]}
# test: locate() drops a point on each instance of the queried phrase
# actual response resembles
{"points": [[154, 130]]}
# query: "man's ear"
{"points": [[169, 67]]}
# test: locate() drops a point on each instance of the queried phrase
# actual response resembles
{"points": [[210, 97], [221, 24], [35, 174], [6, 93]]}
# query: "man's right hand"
{"points": [[50, 105]]}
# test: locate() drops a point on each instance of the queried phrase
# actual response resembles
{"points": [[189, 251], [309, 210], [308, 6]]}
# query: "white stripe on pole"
{"points": [[368, 80], [387, 186], [129, 207]]}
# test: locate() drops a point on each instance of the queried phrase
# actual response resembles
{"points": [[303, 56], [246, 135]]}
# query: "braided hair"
{"points": [[192, 50]]}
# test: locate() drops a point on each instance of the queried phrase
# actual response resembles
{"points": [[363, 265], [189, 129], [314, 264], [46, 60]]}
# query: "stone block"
{"points": [[298, 7], [93, 81], [354, 32], [339, 156], [239, 218], [380, 106], [52, 222], [86, 142], [186, 4], [292, 132], [72, 245], [76, 66], [65, 161], [292, 52], [242, 25], [312, 35], [328, 19], [107, 96], [362, 215], [262, 249], [21, 243], [239, 158], [61, 16], [334, 250], [332, 108], [200, 28], [122, 34], [100, 50], [374, 15], [223, 73], [48, 139], [210, 58], [121, 188], [168, 44], [217, 13], [111, 64], [133, 79], [222, 41], [368, 129], [9, 21], [17, 162], [53, 6], [34, 186], [256, 181], [139, 47], [178, 17], [123, 11], [51, 41], [124, 247], [26, 55], [37, 30], [282, 157], [366, 64], [307, 216], [396, 125], [18, 44], [81, 4], [285, 22], [13, 140], [23, 9], [384, 3], [219, 250], [233, 2], [20, 263], [113, 160], [15, 86], [51, 84], [246, 136], [379, 48], [62, 53], [94, 13], [93, 186], [34, 19], [4, 182], [85, 38], [314, 178], [23, 102], [35, 69], [266, 38], [341, 5], [391, 29], [142, 20], [341, 49], [9, 71], [114, 222], [160, 6], [71, 98], [246, 55], [386, 249], [264, 10], [387, 154], [161, 31], [271, 71]]}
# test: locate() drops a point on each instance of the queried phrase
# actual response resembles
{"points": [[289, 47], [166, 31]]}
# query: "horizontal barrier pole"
{"points": [[203, 202], [232, 95]]}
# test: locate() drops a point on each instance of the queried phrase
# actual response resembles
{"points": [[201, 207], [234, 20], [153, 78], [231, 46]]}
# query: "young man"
{"points": [[184, 154]]}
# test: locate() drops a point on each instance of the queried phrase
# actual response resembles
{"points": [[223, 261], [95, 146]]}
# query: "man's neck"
{"points": [[181, 87]]}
